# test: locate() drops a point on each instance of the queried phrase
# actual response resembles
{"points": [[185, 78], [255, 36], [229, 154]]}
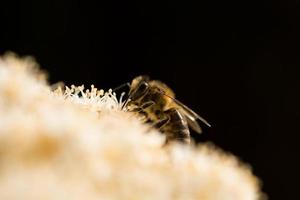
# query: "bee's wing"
{"points": [[191, 120], [190, 115]]}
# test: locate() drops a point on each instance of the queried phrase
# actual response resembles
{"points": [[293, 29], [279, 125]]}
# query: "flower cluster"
{"points": [[80, 144]]}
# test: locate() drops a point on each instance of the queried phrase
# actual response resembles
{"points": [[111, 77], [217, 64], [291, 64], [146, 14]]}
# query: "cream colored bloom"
{"points": [[79, 144]]}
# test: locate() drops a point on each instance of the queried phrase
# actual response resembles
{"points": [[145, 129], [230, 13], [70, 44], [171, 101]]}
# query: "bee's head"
{"points": [[139, 87]]}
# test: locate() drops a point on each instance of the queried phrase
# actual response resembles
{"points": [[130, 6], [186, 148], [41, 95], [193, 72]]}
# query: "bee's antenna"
{"points": [[121, 86]]}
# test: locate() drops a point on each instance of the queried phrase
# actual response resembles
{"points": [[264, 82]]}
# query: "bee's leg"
{"points": [[144, 116], [143, 106], [161, 123], [147, 104], [137, 109], [177, 128]]}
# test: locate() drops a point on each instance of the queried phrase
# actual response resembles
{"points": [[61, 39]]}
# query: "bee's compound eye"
{"points": [[143, 86], [140, 91]]}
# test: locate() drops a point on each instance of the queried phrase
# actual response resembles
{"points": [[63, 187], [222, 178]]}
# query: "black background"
{"points": [[234, 62]]}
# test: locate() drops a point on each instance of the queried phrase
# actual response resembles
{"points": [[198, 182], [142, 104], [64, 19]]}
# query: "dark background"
{"points": [[234, 62]]}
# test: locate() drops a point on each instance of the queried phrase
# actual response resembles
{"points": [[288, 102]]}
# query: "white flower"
{"points": [[81, 144]]}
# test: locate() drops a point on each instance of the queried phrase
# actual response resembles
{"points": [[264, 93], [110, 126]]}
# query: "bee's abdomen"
{"points": [[177, 128]]}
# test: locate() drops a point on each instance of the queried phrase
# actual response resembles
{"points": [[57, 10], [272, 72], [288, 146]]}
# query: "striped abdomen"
{"points": [[177, 128]]}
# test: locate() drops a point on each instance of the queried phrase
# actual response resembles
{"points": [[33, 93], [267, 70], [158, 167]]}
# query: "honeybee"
{"points": [[156, 101]]}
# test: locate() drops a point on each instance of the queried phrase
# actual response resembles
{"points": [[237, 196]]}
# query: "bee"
{"points": [[156, 102]]}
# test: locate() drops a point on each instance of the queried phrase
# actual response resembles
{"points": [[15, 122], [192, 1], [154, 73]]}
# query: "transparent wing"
{"points": [[190, 115], [192, 121]]}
